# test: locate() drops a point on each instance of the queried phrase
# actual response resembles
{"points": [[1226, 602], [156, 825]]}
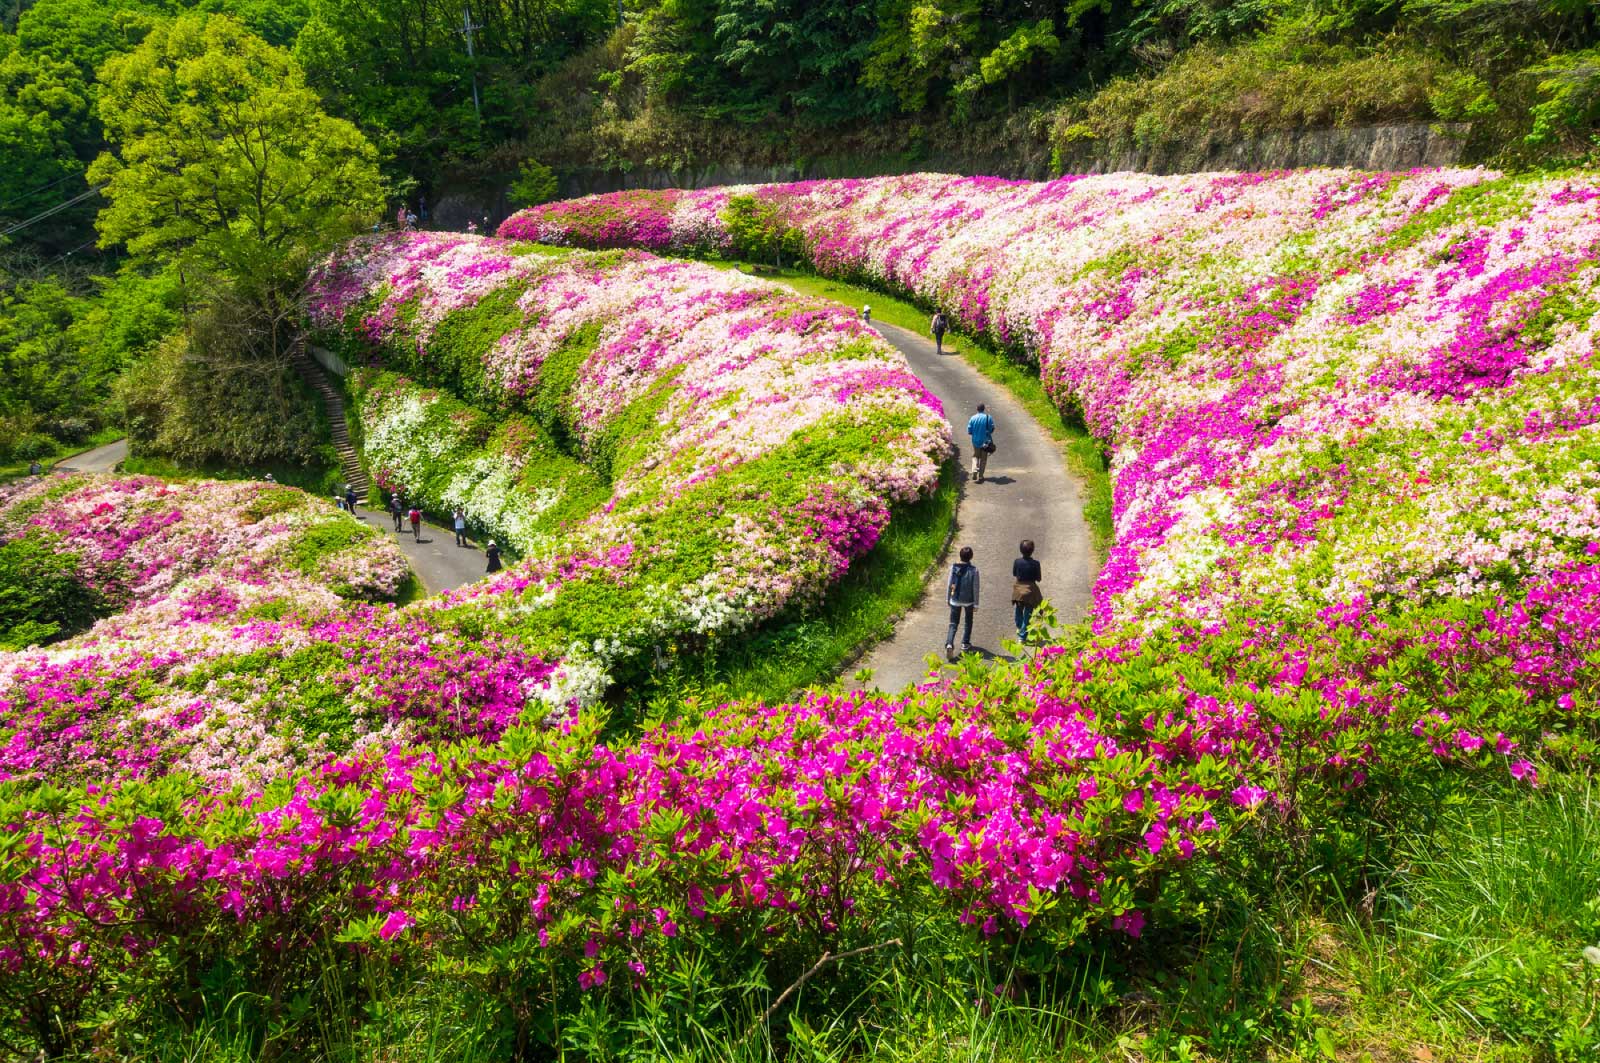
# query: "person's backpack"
{"points": [[961, 575]]}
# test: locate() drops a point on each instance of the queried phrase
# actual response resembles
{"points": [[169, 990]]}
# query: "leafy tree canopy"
{"points": [[223, 156]]}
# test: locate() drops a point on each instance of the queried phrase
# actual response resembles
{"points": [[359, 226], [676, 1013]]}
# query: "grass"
{"points": [[320, 480], [16, 469]]}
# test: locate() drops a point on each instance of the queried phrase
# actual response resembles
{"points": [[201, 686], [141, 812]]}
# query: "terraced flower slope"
{"points": [[1354, 425]]}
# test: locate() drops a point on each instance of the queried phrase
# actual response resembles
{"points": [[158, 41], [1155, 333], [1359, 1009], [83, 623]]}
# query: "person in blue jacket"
{"points": [[980, 427]]}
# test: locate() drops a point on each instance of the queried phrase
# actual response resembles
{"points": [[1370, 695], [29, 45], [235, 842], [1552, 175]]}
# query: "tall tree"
{"points": [[223, 158]]}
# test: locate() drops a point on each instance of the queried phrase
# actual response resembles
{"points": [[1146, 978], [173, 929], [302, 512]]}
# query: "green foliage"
{"points": [[201, 400], [759, 230], [535, 184], [224, 158], [1569, 97], [1272, 84], [42, 596]]}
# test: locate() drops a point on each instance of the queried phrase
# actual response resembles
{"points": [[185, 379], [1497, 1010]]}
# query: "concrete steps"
{"points": [[333, 402]]}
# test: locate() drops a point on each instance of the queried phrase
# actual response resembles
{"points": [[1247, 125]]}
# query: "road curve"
{"points": [[1027, 494], [100, 459]]}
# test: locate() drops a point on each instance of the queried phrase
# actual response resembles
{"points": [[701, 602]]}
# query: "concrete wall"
{"points": [[1375, 147]]}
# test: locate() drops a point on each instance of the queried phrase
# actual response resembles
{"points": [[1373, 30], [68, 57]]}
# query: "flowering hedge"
{"points": [[676, 451], [151, 548]]}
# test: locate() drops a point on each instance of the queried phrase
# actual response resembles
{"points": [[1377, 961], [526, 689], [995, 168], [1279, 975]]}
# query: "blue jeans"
{"points": [[1024, 613], [955, 618]]}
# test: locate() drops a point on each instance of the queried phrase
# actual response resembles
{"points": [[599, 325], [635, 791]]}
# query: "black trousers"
{"points": [[956, 618]]}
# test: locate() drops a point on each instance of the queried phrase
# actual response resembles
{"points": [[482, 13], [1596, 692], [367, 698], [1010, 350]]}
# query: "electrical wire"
{"points": [[57, 209], [36, 191]]}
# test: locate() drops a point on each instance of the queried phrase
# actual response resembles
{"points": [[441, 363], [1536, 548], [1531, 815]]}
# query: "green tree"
{"points": [[535, 184], [224, 160]]}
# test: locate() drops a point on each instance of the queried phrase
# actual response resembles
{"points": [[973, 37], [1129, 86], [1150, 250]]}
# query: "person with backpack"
{"points": [[460, 520], [492, 552], [397, 510], [415, 516], [980, 427], [1025, 593], [938, 326], [349, 498], [962, 598]]}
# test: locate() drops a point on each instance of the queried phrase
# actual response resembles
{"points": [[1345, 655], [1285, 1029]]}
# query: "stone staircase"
{"points": [[333, 402]]}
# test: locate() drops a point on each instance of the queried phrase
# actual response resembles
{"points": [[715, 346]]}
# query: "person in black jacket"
{"points": [[492, 552], [962, 597], [1025, 594]]}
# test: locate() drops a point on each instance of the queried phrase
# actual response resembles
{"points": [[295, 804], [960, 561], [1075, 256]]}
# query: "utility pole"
{"points": [[468, 27]]}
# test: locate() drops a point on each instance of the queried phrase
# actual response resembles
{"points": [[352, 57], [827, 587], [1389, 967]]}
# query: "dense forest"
{"points": [[456, 103]]}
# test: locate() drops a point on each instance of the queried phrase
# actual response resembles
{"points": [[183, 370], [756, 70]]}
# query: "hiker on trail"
{"points": [[938, 326], [980, 426], [866, 313], [492, 552], [411, 219], [415, 516], [460, 520], [962, 597], [1025, 594], [397, 510], [349, 498], [400, 219], [338, 503], [35, 469]]}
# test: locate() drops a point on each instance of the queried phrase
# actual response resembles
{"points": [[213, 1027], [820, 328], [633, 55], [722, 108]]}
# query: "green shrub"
{"points": [[535, 184], [1224, 93], [41, 597]]}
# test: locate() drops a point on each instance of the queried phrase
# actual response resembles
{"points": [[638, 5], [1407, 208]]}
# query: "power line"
{"points": [[36, 191], [57, 209], [69, 254]]}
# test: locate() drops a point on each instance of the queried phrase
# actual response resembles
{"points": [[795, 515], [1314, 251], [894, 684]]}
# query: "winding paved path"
{"points": [[100, 459], [1027, 493], [439, 563]]}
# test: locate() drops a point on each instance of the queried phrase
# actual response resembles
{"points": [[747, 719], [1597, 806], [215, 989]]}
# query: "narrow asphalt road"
{"points": [[439, 563], [1027, 493], [100, 459]]}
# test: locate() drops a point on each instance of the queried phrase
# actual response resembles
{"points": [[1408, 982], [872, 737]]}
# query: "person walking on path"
{"points": [[938, 326], [1025, 593], [400, 218], [980, 427], [866, 313], [397, 510], [460, 520], [349, 498], [962, 597], [35, 469], [492, 552], [416, 523]]}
